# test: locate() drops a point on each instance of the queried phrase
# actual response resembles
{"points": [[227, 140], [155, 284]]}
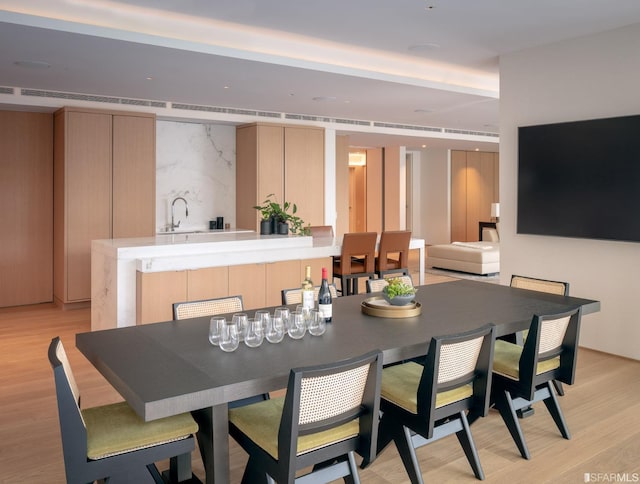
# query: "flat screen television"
{"points": [[580, 179]]}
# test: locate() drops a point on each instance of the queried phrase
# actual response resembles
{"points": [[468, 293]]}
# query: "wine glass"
{"points": [[297, 325], [229, 336], [317, 323], [283, 313], [306, 311], [275, 329], [241, 320], [255, 333], [263, 316], [215, 328]]}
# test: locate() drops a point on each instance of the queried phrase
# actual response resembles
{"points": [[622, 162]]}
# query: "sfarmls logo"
{"points": [[611, 477]]}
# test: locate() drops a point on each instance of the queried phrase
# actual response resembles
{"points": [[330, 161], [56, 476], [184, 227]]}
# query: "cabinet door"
{"points": [[134, 176], [248, 280], [304, 172], [279, 276], [26, 195], [87, 175], [208, 283], [155, 294]]}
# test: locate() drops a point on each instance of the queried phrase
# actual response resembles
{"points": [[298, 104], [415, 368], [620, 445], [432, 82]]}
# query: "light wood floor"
{"points": [[602, 410]]}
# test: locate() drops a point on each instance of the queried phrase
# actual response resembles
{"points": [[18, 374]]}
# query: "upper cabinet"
{"points": [[104, 187], [287, 161]]}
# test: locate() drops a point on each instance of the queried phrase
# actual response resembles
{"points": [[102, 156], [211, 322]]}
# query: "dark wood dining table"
{"points": [[167, 368]]}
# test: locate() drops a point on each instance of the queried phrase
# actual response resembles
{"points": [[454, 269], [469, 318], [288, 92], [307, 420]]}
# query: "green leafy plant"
{"points": [[397, 287], [283, 213]]}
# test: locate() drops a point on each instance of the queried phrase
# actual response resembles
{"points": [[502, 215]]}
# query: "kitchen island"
{"points": [[124, 271]]}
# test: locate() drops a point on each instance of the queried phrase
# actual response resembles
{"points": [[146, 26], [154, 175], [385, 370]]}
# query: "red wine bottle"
{"points": [[325, 305]]}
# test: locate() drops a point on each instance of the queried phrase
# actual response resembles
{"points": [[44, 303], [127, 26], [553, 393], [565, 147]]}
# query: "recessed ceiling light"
{"points": [[28, 64], [425, 46]]}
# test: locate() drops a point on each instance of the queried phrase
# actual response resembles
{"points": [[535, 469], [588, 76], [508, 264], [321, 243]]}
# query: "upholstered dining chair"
{"points": [[357, 260], [393, 253], [377, 285], [110, 441], [207, 307], [321, 231], [294, 296], [421, 404], [328, 413], [542, 285], [523, 375]]}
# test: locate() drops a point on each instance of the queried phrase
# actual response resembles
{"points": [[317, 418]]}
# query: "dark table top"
{"points": [[166, 368]]}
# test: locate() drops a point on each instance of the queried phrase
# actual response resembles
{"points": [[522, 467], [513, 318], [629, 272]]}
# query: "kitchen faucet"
{"points": [[174, 226]]}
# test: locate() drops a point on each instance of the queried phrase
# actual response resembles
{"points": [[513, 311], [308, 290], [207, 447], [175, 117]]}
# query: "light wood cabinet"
{"points": [[104, 187], [286, 161], [260, 285], [26, 197], [474, 187], [155, 294], [249, 281]]}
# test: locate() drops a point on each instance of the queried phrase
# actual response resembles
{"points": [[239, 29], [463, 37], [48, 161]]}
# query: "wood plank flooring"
{"points": [[602, 410]]}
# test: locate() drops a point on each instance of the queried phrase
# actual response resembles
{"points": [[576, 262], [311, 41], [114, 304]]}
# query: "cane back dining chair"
{"points": [[523, 375], [207, 307], [328, 413], [377, 285], [393, 253], [422, 404], [542, 285], [294, 296], [111, 441], [357, 260]]}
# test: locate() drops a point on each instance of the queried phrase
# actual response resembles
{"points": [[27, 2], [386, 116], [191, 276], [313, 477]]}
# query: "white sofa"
{"points": [[474, 257]]}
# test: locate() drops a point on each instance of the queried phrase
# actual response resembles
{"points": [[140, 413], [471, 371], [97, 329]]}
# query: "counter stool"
{"points": [[393, 253], [357, 260]]}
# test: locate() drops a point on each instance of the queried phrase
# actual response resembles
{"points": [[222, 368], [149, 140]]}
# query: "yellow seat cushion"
{"points": [[261, 423], [116, 429], [506, 360], [400, 386]]}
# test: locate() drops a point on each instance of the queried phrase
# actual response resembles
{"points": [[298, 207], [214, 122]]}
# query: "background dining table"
{"points": [[166, 368]]}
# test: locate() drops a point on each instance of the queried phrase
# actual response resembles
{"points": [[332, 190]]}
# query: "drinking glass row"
{"points": [[228, 333]]}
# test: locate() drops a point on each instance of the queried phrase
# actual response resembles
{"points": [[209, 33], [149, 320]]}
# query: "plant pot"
{"points": [[283, 228], [399, 300], [274, 225], [265, 227]]}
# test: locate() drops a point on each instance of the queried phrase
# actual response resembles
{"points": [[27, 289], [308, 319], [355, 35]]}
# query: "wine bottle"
{"points": [[325, 305], [307, 290]]}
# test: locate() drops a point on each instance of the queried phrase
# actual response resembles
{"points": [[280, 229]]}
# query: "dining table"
{"points": [[167, 368]]}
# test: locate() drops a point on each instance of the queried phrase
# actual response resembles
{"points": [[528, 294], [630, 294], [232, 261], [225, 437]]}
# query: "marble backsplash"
{"points": [[197, 162]]}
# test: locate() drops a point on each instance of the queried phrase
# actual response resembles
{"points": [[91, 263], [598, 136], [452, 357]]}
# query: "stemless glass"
{"points": [[317, 323], [275, 329], [297, 325], [229, 337], [215, 328], [283, 313], [255, 333], [241, 320], [263, 316]]}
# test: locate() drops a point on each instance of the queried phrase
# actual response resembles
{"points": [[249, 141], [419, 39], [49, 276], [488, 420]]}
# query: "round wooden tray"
{"points": [[377, 306]]}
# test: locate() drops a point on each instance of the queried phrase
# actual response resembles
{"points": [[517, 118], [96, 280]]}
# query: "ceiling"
{"points": [[417, 64]]}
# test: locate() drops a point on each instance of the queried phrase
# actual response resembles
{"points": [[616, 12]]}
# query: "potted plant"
{"points": [[280, 218], [398, 292]]}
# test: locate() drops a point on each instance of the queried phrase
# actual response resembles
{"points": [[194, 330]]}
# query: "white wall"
{"points": [[591, 77], [198, 162]]}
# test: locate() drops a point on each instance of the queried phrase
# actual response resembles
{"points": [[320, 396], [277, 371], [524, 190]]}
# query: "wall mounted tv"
{"points": [[580, 179]]}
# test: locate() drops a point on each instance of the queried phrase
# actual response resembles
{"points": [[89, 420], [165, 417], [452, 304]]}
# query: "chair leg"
{"points": [[466, 441], [254, 474], [558, 386], [353, 477], [504, 404], [407, 453], [554, 409]]}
